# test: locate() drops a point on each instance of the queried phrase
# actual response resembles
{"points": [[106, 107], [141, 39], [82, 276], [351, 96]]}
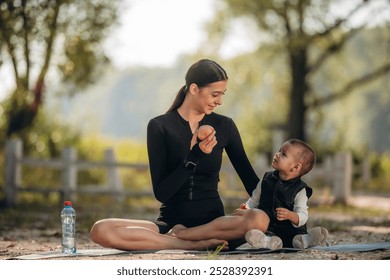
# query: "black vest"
{"points": [[276, 192]]}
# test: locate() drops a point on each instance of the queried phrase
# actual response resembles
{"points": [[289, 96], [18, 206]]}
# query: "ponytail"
{"points": [[181, 95]]}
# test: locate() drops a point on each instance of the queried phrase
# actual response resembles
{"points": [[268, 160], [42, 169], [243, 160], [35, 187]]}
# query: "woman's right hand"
{"points": [[207, 144]]}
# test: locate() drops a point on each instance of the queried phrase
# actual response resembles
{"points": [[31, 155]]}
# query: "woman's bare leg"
{"points": [[127, 234], [225, 227]]}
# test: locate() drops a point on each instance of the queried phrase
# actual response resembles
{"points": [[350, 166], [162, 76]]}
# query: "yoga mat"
{"points": [[355, 247]]}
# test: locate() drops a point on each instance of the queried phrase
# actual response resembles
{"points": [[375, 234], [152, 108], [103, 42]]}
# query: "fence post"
{"points": [[327, 167], [113, 178], [69, 173], [366, 172], [12, 170], [342, 177]]}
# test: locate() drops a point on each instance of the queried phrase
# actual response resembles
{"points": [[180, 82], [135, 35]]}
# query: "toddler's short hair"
{"points": [[307, 156]]}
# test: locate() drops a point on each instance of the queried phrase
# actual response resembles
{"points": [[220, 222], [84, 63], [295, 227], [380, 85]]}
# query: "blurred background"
{"points": [[79, 81]]}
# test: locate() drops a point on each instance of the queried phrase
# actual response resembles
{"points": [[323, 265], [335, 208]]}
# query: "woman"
{"points": [[184, 170]]}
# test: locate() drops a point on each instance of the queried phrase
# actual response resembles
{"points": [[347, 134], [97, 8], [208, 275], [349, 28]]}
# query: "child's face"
{"points": [[286, 159]]}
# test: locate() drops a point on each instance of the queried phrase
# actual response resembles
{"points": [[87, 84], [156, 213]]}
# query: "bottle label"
{"points": [[69, 242]]}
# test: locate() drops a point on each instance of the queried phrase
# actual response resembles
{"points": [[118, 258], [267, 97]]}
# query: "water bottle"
{"points": [[68, 219]]}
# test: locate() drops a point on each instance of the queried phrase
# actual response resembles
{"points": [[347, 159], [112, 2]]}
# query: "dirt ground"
{"points": [[345, 227]]}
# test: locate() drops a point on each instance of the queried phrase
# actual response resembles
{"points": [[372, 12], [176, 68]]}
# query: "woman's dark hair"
{"points": [[201, 73]]}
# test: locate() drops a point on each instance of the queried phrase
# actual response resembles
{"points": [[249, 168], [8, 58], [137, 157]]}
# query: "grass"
{"points": [[213, 255]]}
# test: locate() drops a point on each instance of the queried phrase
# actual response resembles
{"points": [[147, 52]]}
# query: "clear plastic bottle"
{"points": [[68, 219]]}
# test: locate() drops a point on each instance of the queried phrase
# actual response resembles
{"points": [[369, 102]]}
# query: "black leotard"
{"points": [[190, 196]]}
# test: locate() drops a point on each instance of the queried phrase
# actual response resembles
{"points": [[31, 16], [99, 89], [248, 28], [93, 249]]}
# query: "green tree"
{"points": [[38, 37], [309, 32]]}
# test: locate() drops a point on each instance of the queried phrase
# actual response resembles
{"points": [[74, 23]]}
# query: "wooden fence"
{"points": [[69, 167], [336, 170]]}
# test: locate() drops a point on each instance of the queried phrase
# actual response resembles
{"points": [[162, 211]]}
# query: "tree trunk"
{"points": [[296, 118], [21, 115]]}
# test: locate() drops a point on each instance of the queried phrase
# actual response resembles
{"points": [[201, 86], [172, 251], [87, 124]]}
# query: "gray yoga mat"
{"points": [[355, 247]]}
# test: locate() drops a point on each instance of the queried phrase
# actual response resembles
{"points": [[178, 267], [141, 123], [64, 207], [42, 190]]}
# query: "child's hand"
{"points": [[239, 212], [282, 214], [243, 206]]}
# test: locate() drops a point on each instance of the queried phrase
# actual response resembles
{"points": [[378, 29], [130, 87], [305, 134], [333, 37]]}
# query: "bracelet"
{"points": [[189, 164]]}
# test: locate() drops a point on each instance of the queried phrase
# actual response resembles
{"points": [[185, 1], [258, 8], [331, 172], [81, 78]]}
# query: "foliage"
{"points": [[256, 99], [92, 148], [48, 39], [47, 138], [256, 85], [307, 34], [380, 174], [357, 122]]}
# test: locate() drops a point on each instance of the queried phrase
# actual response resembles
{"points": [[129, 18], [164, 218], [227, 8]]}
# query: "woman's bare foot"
{"points": [[176, 229], [196, 244], [208, 244]]}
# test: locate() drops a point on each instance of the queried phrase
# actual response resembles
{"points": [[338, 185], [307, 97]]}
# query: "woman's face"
{"points": [[210, 96]]}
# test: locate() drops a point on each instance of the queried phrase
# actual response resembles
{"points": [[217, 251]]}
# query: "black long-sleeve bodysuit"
{"points": [[190, 196]]}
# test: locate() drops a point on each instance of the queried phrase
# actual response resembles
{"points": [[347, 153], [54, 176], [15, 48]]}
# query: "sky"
{"points": [[155, 32]]}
